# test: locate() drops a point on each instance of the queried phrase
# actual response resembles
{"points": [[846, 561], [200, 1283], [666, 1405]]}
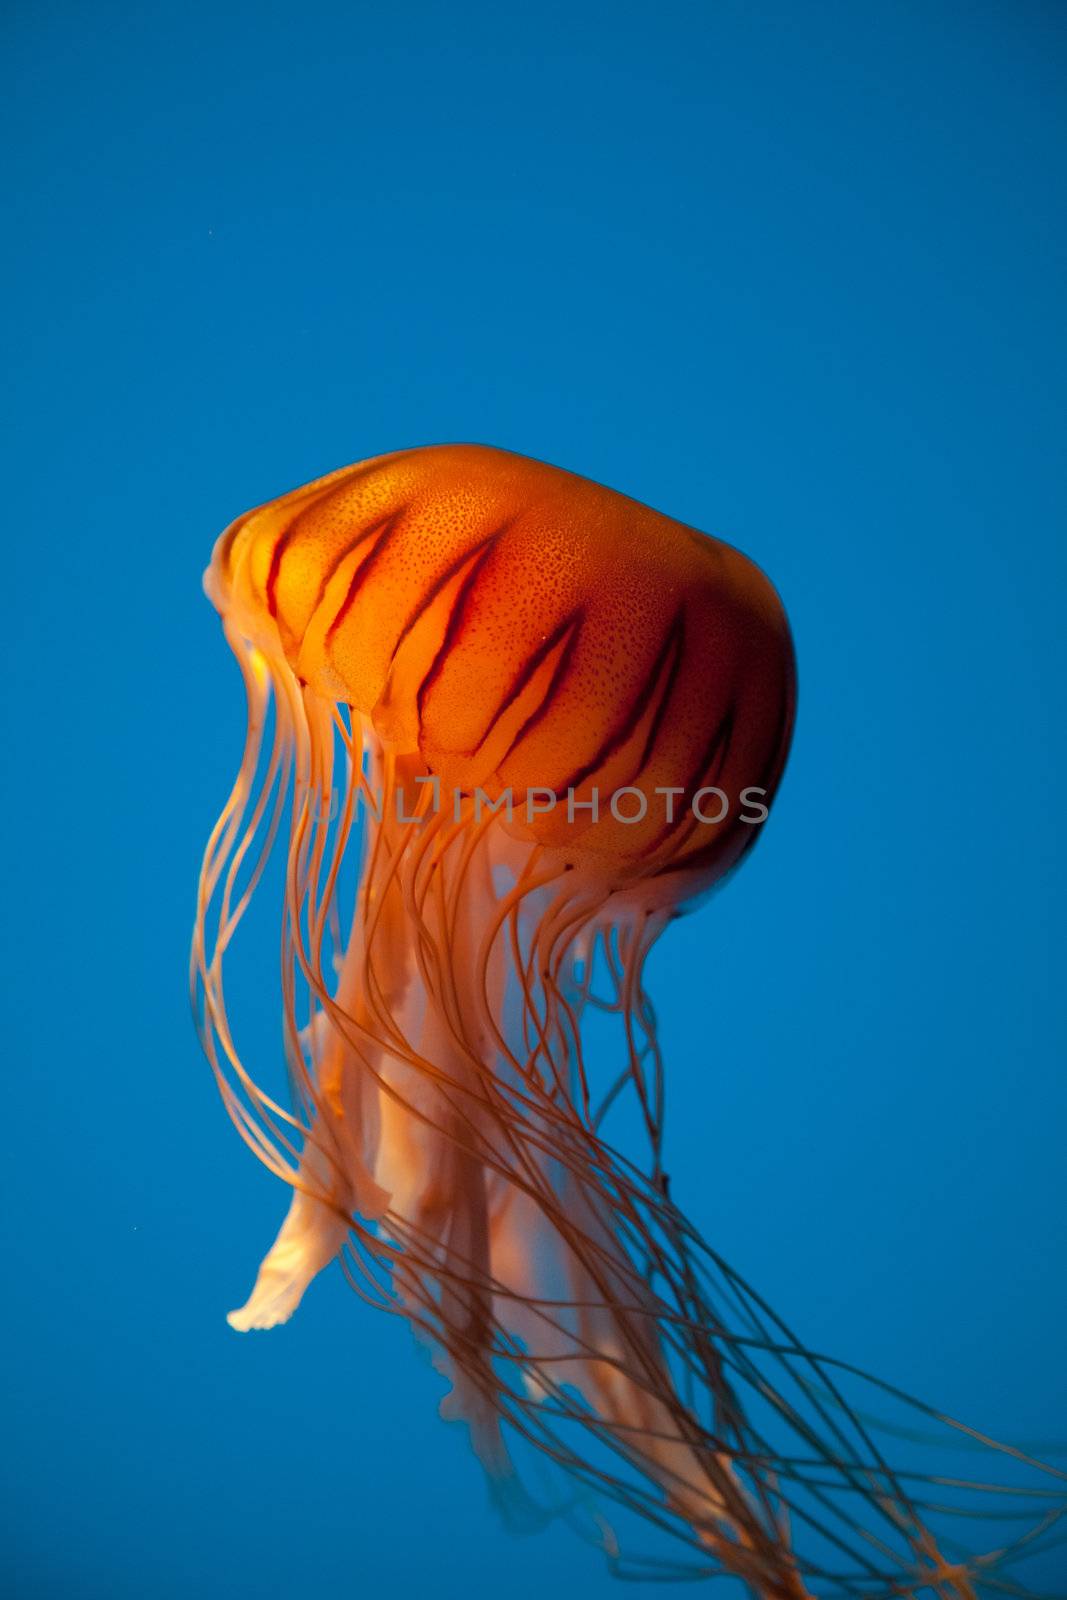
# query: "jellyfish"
{"points": [[520, 723]]}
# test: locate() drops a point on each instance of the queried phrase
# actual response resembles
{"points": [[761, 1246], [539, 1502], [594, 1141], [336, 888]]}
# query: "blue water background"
{"points": [[790, 273]]}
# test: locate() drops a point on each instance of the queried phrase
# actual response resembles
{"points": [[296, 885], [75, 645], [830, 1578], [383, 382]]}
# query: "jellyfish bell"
{"points": [[539, 718], [519, 628]]}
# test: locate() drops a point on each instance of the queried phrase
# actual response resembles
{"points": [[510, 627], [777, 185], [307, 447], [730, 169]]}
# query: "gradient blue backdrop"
{"points": [[788, 272]]}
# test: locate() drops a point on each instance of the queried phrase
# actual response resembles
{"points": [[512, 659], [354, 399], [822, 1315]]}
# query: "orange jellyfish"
{"points": [[520, 721]]}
